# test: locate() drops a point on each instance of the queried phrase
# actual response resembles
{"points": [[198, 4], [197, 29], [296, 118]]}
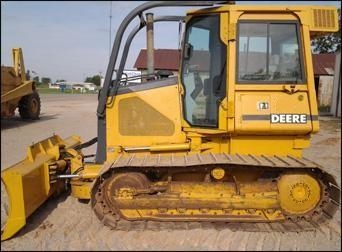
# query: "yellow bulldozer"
{"points": [[221, 142], [17, 91]]}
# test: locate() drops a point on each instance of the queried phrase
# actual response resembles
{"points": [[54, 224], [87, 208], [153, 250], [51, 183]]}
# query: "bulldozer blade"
{"points": [[28, 183]]}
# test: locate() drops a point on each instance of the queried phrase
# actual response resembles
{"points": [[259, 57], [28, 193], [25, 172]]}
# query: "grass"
{"points": [[44, 89], [324, 108]]}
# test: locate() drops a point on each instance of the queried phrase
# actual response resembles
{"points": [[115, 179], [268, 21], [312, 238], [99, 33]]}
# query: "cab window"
{"points": [[269, 53]]}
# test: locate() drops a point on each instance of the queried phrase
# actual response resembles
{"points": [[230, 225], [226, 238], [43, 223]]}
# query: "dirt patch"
{"points": [[329, 141], [330, 124]]}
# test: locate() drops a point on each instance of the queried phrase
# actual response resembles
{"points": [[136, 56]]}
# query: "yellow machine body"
{"points": [[203, 173]]}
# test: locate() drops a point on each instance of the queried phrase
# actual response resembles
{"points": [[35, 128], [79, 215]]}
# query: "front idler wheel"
{"points": [[298, 193]]}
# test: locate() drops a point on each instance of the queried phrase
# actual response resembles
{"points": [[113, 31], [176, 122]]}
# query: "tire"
{"points": [[29, 106]]}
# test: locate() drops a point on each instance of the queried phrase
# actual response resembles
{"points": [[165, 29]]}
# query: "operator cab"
{"points": [[241, 69]]}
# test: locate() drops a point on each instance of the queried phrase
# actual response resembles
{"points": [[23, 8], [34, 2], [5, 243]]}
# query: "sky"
{"points": [[70, 40]]}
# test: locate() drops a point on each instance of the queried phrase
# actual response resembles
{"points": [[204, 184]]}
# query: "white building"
{"points": [[53, 85], [74, 85], [133, 74], [89, 86]]}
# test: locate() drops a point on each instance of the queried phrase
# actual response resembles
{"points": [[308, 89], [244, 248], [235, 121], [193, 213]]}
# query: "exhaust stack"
{"points": [[150, 43]]}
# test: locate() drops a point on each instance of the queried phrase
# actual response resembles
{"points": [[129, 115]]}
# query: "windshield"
{"points": [[203, 71]]}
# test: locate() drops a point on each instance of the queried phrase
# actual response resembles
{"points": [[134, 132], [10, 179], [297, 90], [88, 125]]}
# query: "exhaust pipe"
{"points": [[150, 43]]}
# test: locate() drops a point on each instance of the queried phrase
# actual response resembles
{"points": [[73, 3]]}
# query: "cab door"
{"points": [[271, 94], [203, 72]]}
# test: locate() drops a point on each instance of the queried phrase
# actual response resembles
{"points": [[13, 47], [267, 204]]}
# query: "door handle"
{"points": [[290, 89]]}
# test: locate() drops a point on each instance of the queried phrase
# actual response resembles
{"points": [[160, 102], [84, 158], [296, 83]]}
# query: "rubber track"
{"points": [[316, 219]]}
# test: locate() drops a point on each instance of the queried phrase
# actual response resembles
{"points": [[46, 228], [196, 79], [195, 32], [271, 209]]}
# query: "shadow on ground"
{"points": [[16, 121]]}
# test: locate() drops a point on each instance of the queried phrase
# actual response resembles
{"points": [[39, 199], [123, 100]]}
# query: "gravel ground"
{"points": [[66, 224]]}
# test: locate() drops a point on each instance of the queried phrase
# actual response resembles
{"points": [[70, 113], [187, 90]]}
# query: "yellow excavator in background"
{"points": [[17, 91], [221, 142]]}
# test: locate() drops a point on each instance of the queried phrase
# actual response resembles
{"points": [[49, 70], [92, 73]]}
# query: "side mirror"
{"points": [[188, 48]]}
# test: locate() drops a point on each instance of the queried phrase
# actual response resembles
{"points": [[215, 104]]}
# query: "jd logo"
{"points": [[263, 105], [288, 118]]}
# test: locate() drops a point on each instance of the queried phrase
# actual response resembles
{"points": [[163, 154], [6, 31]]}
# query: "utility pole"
{"points": [[335, 107], [110, 29]]}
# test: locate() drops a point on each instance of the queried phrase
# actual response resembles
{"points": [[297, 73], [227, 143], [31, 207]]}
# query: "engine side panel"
{"points": [[144, 117]]}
